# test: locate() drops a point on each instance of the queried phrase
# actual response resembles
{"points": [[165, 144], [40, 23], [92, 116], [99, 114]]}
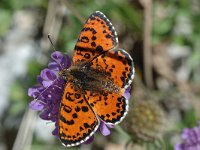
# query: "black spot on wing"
{"points": [[75, 115], [84, 39], [84, 109], [69, 122], [68, 96], [93, 44], [77, 109], [66, 108], [94, 37], [99, 49], [86, 125]]}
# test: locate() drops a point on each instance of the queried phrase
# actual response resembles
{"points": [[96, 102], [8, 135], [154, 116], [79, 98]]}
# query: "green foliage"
{"points": [[167, 140], [47, 147], [5, 16], [18, 97], [189, 120], [13, 5], [164, 29], [34, 69], [8, 7]]}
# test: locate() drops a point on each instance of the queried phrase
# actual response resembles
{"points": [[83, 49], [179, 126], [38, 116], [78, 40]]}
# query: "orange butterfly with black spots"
{"points": [[95, 83]]}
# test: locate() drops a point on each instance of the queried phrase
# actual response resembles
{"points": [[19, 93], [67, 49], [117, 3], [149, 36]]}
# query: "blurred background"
{"points": [[162, 36]]}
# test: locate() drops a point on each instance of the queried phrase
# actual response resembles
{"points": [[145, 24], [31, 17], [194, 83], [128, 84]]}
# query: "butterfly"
{"points": [[95, 83]]}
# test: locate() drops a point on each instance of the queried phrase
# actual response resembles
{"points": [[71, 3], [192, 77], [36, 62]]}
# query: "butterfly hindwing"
{"points": [[77, 121], [98, 35], [110, 107]]}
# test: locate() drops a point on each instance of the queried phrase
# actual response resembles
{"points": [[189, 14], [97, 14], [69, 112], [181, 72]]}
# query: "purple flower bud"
{"points": [[190, 139]]}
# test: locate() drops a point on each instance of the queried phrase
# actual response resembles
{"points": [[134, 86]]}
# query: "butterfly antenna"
{"points": [[49, 37]]}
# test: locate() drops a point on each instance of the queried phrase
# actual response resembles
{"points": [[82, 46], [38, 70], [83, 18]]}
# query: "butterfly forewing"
{"points": [[98, 35], [77, 121]]}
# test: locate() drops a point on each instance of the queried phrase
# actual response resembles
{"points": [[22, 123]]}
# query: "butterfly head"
{"points": [[65, 73]]}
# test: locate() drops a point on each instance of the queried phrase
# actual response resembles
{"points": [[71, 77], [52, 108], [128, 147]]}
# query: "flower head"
{"points": [[48, 93], [144, 122], [190, 139]]}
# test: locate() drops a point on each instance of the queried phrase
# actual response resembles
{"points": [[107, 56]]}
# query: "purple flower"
{"points": [[48, 93], [127, 93], [190, 139]]}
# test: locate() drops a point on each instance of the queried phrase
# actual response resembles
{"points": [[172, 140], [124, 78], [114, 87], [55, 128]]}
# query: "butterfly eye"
{"points": [[64, 73]]}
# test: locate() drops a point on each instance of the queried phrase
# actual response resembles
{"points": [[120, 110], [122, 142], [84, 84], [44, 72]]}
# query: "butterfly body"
{"points": [[95, 83], [84, 78]]}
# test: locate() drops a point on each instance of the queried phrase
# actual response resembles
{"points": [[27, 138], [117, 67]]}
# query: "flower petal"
{"points": [[179, 147], [104, 129], [66, 62], [53, 66], [36, 105], [127, 93], [45, 115], [190, 139], [48, 74], [47, 83], [55, 132], [39, 79], [185, 134], [34, 91], [110, 125], [63, 61], [89, 140], [57, 56]]}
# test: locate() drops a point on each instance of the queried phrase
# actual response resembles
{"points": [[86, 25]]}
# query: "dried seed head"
{"points": [[145, 121]]}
